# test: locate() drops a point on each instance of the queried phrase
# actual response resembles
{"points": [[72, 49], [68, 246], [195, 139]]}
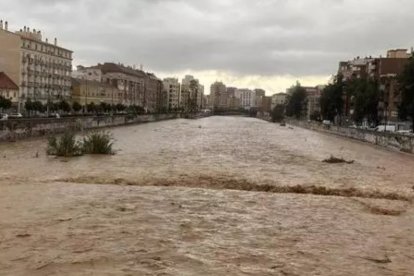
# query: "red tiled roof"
{"points": [[6, 82]]}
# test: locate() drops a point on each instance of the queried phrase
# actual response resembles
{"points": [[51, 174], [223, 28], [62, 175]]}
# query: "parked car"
{"points": [[326, 122], [15, 116], [404, 131], [4, 117], [386, 128]]}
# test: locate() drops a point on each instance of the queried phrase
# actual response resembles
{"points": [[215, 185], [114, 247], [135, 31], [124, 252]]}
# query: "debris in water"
{"points": [[335, 160], [23, 235]]}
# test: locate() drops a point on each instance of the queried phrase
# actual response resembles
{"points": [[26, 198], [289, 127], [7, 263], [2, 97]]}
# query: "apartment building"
{"points": [[42, 70], [219, 95], [279, 99], [247, 98], [86, 91], [171, 91], [192, 93]]}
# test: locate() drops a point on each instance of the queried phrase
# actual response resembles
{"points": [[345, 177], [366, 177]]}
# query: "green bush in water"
{"points": [[98, 143], [65, 145]]}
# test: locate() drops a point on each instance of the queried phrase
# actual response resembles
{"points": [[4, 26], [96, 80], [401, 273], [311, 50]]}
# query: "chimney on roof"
{"points": [[55, 41], [47, 40], [1, 24], [6, 26]]}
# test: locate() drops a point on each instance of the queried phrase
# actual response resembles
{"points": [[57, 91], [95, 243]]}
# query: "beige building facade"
{"points": [[171, 90], [86, 92], [42, 70]]}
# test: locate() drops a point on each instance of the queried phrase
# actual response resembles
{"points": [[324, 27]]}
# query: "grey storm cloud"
{"points": [[261, 37]]}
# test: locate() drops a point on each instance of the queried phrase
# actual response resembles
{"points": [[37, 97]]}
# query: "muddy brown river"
{"points": [[215, 196]]}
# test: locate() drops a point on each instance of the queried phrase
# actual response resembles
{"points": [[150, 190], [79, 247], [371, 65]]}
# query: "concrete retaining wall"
{"points": [[396, 141], [13, 130]]}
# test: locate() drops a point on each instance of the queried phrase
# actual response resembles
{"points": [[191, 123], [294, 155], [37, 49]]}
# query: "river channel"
{"points": [[214, 196]]}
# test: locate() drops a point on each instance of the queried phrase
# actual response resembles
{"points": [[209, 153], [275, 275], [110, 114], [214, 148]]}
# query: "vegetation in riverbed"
{"points": [[335, 160], [67, 145], [98, 143]]}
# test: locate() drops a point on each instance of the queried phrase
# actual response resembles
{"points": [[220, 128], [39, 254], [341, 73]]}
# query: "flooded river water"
{"points": [[215, 196]]}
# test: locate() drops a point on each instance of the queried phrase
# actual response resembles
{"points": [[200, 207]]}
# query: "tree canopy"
{"points": [[297, 101], [278, 113], [5, 103], [365, 99], [406, 82], [332, 102]]}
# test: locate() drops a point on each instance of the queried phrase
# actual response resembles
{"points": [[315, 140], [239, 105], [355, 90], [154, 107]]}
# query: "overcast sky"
{"points": [[244, 43]]}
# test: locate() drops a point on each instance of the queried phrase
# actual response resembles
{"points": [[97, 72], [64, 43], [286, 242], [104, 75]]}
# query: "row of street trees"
{"points": [[363, 94], [34, 107]]}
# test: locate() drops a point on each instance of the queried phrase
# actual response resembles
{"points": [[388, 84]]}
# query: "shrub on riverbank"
{"points": [[67, 145]]}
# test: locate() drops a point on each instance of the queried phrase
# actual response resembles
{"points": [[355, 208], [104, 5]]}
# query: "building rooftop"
{"points": [[6, 82], [119, 68]]}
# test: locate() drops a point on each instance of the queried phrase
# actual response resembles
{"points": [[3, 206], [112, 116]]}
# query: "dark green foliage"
{"points": [[365, 100], [316, 116], [35, 106], [253, 112], [64, 106], [91, 107], [5, 103], [406, 82], [297, 101], [104, 107], [278, 113], [76, 107], [98, 143], [332, 99], [65, 145], [136, 109], [120, 107]]}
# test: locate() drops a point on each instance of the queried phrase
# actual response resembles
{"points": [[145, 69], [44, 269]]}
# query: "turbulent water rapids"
{"points": [[215, 196]]}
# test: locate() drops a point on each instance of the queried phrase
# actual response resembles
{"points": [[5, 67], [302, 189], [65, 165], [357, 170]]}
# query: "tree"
{"points": [[28, 105], [120, 107], [91, 107], [316, 116], [295, 106], [76, 106], [64, 106], [332, 99], [365, 100], [5, 103], [38, 106], [406, 83], [278, 113]]}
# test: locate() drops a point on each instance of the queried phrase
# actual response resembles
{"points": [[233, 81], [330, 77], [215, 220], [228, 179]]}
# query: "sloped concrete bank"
{"points": [[13, 130], [395, 141]]}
